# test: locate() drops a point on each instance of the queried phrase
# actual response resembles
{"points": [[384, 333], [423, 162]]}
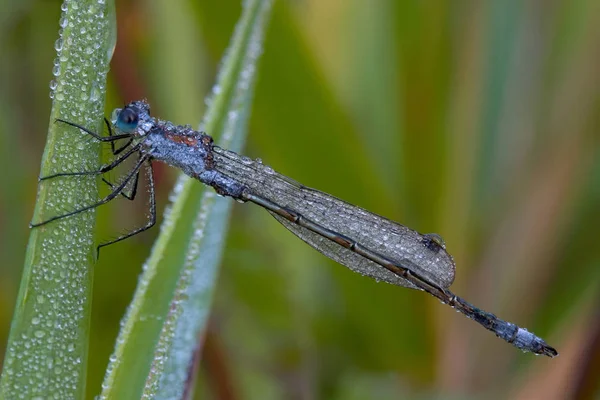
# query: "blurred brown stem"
{"points": [[587, 382], [216, 365]]}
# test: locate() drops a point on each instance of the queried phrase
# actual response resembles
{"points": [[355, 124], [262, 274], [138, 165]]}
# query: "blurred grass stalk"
{"points": [[48, 344], [160, 333]]}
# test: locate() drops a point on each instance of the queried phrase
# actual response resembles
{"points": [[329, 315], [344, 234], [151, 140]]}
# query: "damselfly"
{"points": [[362, 241]]}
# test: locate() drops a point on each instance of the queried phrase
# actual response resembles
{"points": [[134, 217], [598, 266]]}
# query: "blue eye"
{"points": [[127, 120]]}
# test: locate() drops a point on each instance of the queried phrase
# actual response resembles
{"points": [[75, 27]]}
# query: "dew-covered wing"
{"points": [[378, 234]]}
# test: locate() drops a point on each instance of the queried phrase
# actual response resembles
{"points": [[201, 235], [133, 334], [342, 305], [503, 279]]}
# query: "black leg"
{"points": [[94, 134], [105, 200], [152, 219], [112, 143], [120, 149], [116, 152], [131, 196], [103, 169]]}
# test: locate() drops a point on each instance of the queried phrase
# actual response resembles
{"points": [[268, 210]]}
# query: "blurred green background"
{"points": [[476, 120]]}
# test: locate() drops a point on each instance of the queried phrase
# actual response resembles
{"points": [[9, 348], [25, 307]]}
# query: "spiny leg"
{"points": [[152, 219], [130, 196], [105, 200], [112, 143], [117, 152], [103, 169], [106, 168], [111, 138]]}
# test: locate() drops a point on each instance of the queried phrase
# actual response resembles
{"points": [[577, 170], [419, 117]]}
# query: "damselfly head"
{"points": [[133, 118]]}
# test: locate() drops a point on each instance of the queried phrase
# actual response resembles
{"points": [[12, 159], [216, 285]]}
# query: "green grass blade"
{"points": [[173, 298], [48, 343]]}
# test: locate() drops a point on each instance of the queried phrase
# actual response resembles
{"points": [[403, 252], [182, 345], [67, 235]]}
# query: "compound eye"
{"points": [[433, 242], [127, 120]]}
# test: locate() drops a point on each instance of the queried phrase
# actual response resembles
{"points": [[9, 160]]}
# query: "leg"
{"points": [[105, 200], [94, 134], [131, 196], [103, 169], [152, 220], [112, 143]]}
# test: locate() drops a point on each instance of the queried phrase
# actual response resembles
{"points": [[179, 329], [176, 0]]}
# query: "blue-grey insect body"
{"points": [[362, 241], [179, 146]]}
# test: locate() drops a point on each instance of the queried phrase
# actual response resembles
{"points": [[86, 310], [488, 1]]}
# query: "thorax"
{"points": [[179, 146]]}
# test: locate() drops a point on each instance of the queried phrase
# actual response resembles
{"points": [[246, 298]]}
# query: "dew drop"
{"points": [[58, 45], [95, 93]]}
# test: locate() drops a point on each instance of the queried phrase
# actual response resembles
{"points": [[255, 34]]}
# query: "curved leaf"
{"points": [[48, 343]]}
